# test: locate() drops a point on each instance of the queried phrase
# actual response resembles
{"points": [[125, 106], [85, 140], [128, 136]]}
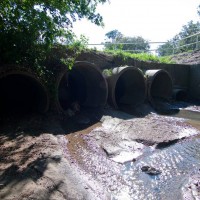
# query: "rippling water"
{"points": [[177, 163], [126, 181]]}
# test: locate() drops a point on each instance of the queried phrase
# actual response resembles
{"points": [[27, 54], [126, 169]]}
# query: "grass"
{"points": [[140, 56]]}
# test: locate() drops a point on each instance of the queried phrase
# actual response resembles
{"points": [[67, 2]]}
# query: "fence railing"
{"points": [[177, 47], [194, 44]]}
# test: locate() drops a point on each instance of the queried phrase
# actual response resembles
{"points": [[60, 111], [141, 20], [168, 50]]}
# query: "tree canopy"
{"points": [[178, 43], [137, 44], [119, 41], [114, 35], [28, 27]]}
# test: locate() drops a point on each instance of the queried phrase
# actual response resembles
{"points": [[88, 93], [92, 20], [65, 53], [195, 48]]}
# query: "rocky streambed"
{"points": [[105, 154]]}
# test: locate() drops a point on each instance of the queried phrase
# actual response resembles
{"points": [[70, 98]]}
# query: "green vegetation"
{"points": [[29, 29], [114, 35], [107, 72], [136, 44], [178, 44], [139, 56], [74, 49], [39, 32]]}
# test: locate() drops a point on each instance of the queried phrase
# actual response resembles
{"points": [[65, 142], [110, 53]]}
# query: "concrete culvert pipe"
{"points": [[159, 85], [126, 87], [84, 84], [180, 95], [22, 93]]}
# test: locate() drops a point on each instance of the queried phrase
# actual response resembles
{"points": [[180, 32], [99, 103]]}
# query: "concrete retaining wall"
{"points": [[194, 89], [179, 73], [185, 77]]}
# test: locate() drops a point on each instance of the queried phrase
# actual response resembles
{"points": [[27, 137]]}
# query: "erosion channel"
{"points": [[102, 154]]}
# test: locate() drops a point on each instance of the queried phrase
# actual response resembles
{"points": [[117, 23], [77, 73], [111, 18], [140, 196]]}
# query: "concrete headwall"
{"points": [[183, 76], [194, 88], [179, 73]]}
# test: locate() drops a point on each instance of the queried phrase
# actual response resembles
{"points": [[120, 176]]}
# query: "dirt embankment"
{"points": [[190, 58]]}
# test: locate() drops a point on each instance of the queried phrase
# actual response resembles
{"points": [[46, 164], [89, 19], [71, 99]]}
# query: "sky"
{"points": [[154, 20]]}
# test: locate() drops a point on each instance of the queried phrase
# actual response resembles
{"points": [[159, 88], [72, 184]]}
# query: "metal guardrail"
{"points": [[127, 43], [133, 50], [195, 44], [176, 46]]}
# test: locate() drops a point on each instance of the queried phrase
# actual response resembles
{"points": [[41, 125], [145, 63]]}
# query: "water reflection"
{"points": [[176, 163]]}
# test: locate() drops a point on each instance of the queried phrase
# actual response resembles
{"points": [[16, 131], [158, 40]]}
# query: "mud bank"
{"points": [[49, 157]]}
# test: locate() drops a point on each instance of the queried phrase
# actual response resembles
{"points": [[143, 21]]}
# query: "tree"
{"points": [[188, 30], [136, 44], [30, 27], [111, 38], [114, 35], [168, 48], [181, 42], [165, 49]]}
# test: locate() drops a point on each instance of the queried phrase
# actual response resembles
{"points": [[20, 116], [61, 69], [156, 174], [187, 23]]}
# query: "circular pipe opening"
{"points": [[22, 93], [126, 87], [180, 95], [159, 85], [84, 84]]}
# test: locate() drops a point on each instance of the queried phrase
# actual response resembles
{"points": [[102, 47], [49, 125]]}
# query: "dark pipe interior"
{"points": [[161, 86], [130, 88], [181, 95], [21, 94], [84, 85], [72, 89]]}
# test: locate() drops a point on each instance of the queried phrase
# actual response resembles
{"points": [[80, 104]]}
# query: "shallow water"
{"points": [[188, 114], [193, 117], [176, 163]]}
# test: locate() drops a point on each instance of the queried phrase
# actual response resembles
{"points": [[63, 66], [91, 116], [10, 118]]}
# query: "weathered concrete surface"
{"points": [[126, 86], [195, 82], [179, 72], [185, 74]]}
